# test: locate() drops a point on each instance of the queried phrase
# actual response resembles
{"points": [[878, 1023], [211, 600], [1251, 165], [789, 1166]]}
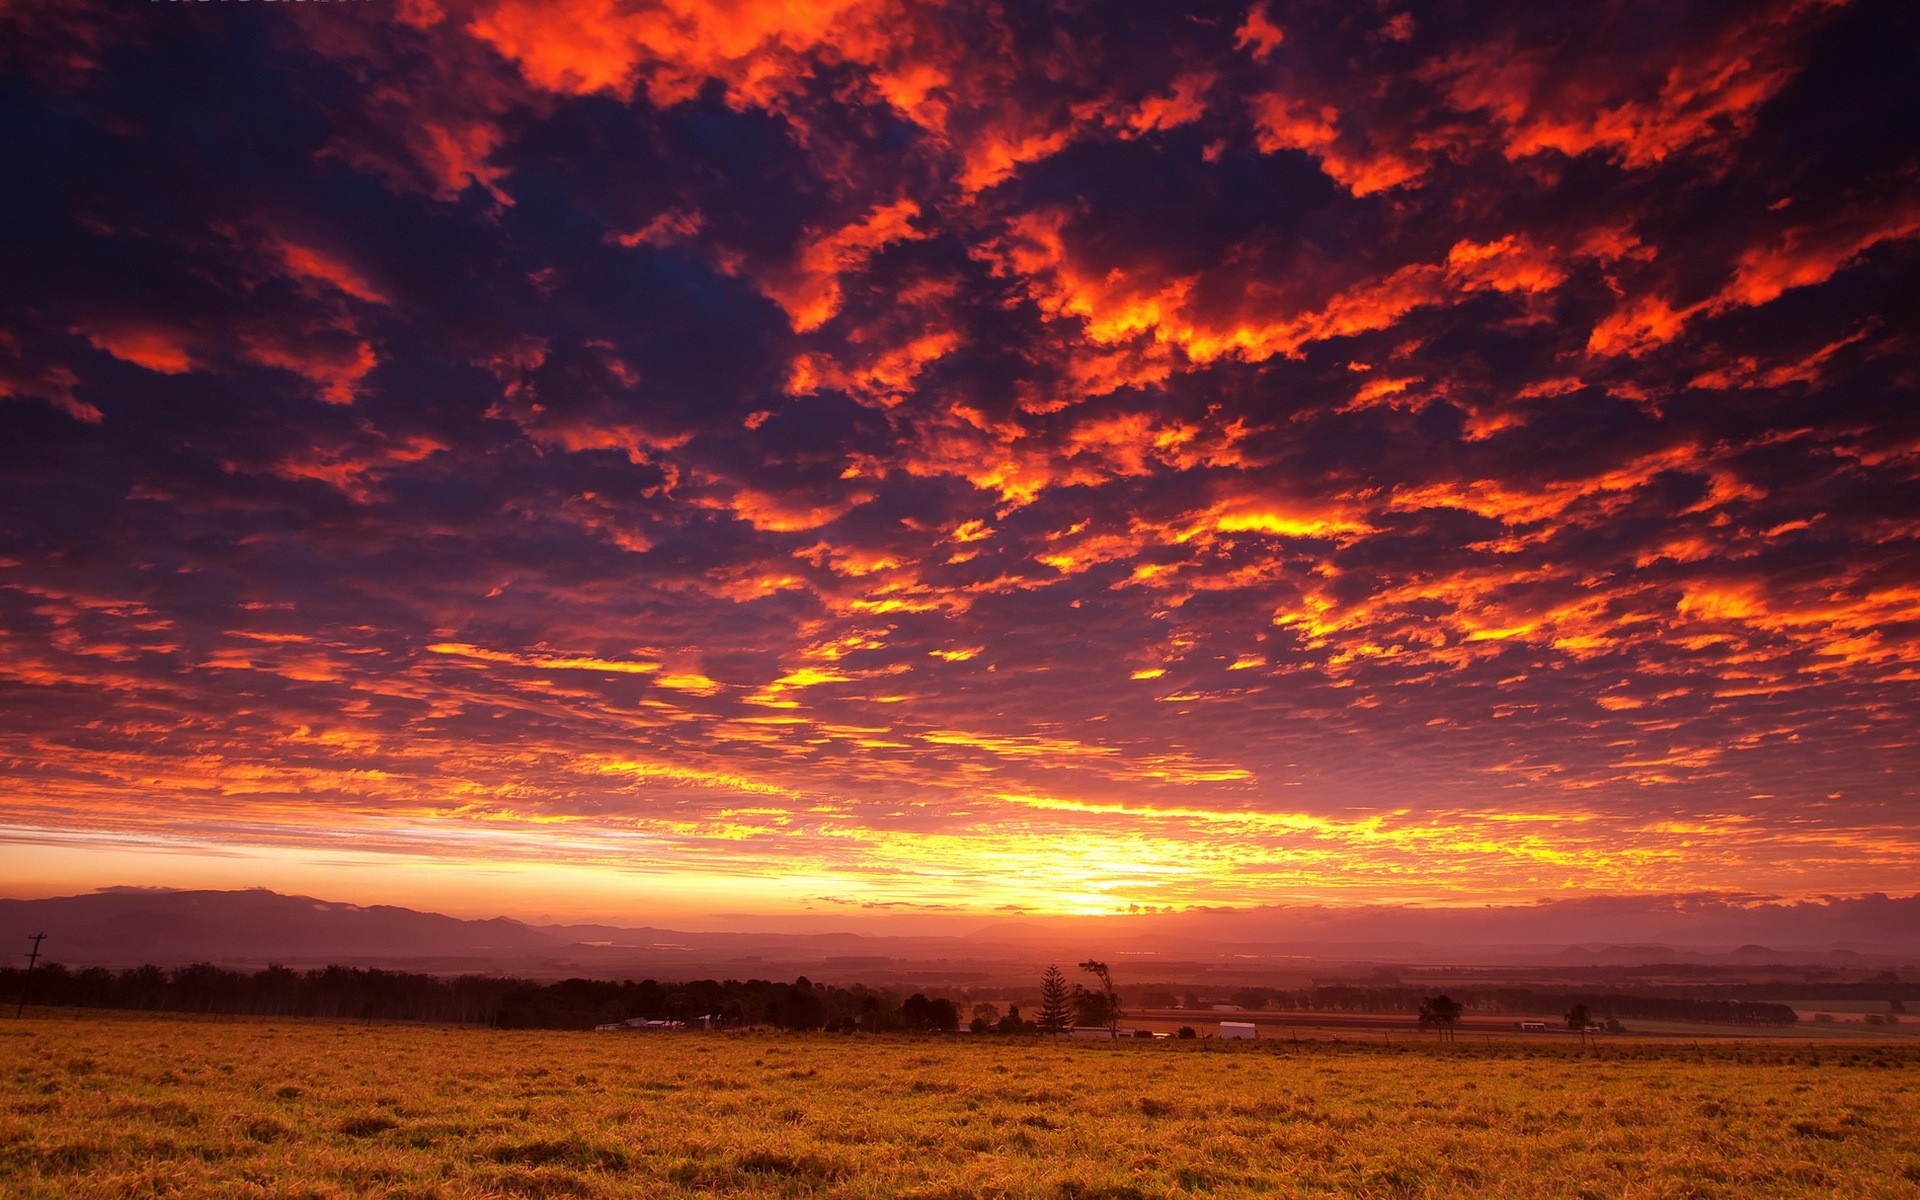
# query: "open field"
{"points": [[108, 1106]]}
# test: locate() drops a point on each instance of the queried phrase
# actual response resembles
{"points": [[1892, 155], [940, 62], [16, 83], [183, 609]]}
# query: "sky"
{"points": [[839, 458]]}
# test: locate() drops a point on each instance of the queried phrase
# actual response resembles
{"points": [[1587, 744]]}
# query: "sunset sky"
{"points": [[838, 457]]}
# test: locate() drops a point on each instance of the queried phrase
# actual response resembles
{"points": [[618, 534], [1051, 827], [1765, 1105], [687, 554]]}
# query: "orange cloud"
{"points": [[1508, 264], [669, 48], [55, 385], [1811, 254], [308, 263], [1639, 326], [1258, 35], [354, 468], [155, 349], [1746, 372], [1637, 110], [811, 294], [336, 365], [1803, 256], [1117, 306], [778, 513], [1287, 123]]}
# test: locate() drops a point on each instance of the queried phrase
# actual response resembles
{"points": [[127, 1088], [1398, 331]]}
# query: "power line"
{"points": [[33, 956]]}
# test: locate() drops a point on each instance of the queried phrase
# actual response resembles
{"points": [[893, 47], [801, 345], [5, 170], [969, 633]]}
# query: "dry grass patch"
{"points": [[113, 1107]]}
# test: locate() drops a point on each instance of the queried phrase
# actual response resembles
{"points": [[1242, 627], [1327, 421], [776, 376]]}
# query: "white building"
{"points": [[1242, 1030]]}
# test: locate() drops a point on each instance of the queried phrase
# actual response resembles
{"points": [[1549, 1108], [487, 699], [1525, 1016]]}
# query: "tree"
{"points": [[984, 1017], [1578, 1020], [876, 1012], [929, 1016], [1089, 1008], [1442, 1013], [1111, 998], [1054, 1000], [798, 1007]]}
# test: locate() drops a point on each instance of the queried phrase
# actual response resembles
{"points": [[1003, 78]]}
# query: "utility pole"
{"points": [[33, 956]]}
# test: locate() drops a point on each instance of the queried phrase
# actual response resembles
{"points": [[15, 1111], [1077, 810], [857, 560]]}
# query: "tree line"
{"points": [[508, 1003], [1508, 1000], [369, 993]]}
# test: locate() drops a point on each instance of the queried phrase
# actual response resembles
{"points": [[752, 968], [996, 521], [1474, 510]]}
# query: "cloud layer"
{"points": [[968, 455]]}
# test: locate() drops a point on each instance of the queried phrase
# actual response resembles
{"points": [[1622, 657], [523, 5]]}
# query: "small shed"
{"points": [[1242, 1030]]}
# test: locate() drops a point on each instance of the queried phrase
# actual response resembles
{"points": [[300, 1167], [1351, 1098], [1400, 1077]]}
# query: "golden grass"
{"points": [[114, 1107]]}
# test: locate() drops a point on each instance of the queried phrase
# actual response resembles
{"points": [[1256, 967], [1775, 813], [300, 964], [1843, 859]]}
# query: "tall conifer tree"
{"points": [[1054, 1002]]}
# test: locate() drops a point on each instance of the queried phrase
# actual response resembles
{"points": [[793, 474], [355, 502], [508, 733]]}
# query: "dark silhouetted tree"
{"points": [[1011, 1023], [1578, 1020], [1441, 1013], [1089, 1008], [1110, 999], [1055, 999], [929, 1016], [798, 1007]]}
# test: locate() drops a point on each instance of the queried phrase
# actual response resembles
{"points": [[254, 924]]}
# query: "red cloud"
{"points": [[1636, 108]]}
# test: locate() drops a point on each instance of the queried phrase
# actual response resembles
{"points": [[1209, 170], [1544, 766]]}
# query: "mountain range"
{"points": [[121, 927]]}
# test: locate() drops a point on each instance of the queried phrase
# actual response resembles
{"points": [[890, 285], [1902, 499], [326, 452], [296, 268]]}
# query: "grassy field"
{"points": [[112, 1107]]}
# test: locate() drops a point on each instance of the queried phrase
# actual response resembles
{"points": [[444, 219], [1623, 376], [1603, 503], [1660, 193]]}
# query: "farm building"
{"points": [[1243, 1030], [643, 1025]]}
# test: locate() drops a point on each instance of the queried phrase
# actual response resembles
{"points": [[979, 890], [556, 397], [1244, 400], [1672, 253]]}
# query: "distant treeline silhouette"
{"points": [[369, 993], [1704, 982], [356, 993], [1510, 1000]]}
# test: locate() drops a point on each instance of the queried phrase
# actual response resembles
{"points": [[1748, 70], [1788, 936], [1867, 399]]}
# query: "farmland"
{"points": [[114, 1106]]}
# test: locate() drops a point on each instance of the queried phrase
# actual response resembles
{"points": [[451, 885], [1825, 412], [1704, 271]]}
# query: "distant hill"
{"points": [[123, 927], [129, 926]]}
